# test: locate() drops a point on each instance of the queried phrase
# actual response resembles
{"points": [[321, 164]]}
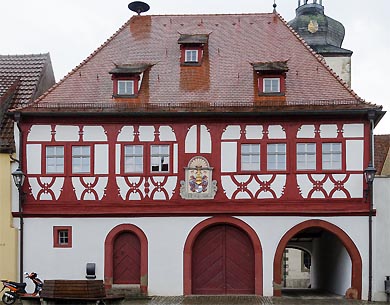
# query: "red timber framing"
{"points": [[356, 277], [109, 255], [290, 202], [222, 220]]}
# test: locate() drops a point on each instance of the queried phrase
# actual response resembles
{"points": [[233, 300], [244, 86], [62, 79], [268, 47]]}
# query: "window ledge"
{"points": [[125, 95], [272, 94], [191, 64]]}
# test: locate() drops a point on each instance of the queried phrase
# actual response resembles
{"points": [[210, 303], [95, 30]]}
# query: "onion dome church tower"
{"points": [[324, 35]]}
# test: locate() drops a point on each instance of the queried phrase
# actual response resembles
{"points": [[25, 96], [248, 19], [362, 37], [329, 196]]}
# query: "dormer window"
{"points": [[192, 48], [126, 87], [127, 79], [271, 77], [271, 85], [191, 55]]}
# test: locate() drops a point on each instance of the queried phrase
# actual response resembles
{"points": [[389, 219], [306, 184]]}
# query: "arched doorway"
{"points": [[222, 255], [326, 233], [126, 257]]}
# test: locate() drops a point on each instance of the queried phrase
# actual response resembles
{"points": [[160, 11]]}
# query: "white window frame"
{"points": [[134, 158], [191, 55], [84, 158], [332, 156], [274, 88], [63, 237], [128, 88], [306, 157], [276, 158], [55, 159], [159, 158], [250, 157]]}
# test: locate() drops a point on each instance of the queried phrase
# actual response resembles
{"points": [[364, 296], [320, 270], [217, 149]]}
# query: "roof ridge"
{"points": [[211, 14], [25, 55], [324, 63]]}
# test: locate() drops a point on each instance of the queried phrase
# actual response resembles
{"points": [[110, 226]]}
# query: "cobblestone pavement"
{"points": [[244, 300]]}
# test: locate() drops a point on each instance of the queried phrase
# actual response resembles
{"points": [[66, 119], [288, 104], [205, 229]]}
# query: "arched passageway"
{"points": [[336, 261]]}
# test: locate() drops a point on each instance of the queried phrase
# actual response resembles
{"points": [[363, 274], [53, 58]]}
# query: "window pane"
{"points": [[134, 158], [271, 85], [81, 156], [306, 156], [126, 87], [160, 158], [191, 56], [54, 159], [276, 156], [63, 237], [331, 156], [250, 157]]}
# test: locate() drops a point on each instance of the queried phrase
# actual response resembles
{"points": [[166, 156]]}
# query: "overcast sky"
{"points": [[72, 29]]}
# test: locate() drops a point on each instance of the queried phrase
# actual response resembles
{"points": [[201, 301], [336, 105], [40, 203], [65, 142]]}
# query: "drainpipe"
{"points": [[21, 199], [371, 116]]}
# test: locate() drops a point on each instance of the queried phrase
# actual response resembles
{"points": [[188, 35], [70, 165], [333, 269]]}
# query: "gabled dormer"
{"points": [[271, 78], [127, 79], [192, 48]]}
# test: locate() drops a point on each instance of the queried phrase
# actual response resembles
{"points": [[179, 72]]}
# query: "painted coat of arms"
{"points": [[198, 183]]}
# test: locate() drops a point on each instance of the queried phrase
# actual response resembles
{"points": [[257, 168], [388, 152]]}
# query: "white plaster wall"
{"points": [[332, 265], [342, 67], [166, 238], [381, 234]]}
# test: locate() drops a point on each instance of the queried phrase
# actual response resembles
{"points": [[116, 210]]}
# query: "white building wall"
{"points": [[381, 236], [342, 67], [332, 265], [166, 239]]}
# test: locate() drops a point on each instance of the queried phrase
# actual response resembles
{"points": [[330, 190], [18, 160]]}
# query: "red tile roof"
{"points": [[382, 151], [23, 78], [225, 78]]}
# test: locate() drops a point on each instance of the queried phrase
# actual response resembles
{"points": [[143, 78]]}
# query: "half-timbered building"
{"points": [[188, 151]]}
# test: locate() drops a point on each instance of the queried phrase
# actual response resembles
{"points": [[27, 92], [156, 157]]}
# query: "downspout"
{"points": [[21, 199], [371, 117]]}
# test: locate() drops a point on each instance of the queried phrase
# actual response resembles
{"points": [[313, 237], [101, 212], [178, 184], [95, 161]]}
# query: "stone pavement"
{"points": [[244, 300]]}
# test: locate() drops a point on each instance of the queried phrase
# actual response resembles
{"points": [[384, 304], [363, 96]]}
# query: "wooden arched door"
{"points": [[223, 262], [127, 259]]}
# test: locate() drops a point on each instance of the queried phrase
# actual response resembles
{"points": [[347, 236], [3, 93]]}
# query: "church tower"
{"points": [[324, 35]]}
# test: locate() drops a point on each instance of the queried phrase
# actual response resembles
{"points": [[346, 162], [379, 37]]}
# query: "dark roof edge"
{"points": [[359, 112]]}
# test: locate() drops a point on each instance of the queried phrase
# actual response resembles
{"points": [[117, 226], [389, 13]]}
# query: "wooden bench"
{"points": [[75, 292]]}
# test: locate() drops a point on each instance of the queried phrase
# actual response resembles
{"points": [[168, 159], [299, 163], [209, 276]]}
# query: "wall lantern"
{"points": [[369, 174], [18, 177]]}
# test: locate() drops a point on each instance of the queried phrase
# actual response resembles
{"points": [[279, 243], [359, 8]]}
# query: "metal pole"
{"points": [[371, 116]]}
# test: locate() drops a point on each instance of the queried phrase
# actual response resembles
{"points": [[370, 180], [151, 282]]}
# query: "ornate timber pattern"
{"points": [[214, 148]]}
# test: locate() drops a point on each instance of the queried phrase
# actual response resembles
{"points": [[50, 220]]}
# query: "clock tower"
{"points": [[324, 35]]}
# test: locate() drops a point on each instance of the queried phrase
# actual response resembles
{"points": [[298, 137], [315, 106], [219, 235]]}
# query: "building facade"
{"points": [[23, 78], [188, 152]]}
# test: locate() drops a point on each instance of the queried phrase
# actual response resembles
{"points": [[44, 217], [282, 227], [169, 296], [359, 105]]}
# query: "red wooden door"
{"points": [[223, 262], [127, 259]]}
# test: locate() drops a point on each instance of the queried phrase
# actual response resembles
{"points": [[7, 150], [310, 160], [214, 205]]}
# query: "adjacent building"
{"points": [[23, 78], [381, 201], [188, 152]]}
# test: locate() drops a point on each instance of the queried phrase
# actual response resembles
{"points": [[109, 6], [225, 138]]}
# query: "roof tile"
{"points": [[226, 77]]}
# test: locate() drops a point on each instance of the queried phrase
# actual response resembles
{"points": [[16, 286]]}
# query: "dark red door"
{"points": [[127, 259], [223, 262]]}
